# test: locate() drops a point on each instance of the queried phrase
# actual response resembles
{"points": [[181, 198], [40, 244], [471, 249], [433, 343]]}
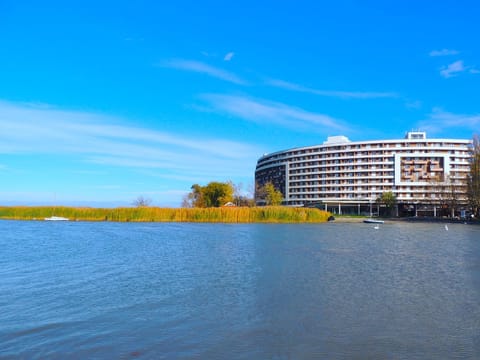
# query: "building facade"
{"points": [[346, 176]]}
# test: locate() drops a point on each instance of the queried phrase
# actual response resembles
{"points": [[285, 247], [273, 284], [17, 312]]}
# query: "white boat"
{"points": [[56, 218], [373, 221], [53, 217]]}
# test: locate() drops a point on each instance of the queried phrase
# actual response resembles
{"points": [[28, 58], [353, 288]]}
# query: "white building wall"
{"points": [[344, 171]]}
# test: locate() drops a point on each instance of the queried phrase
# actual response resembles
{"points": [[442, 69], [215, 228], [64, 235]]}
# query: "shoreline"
{"points": [[342, 219], [347, 219], [272, 214]]}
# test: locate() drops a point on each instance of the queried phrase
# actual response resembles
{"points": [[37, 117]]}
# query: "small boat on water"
{"points": [[56, 218], [373, 221], [53, 217]]}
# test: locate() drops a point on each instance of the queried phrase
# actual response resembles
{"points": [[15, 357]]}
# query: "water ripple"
{"points": [[174, 291]]}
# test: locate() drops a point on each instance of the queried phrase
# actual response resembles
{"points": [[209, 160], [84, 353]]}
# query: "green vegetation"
{"points": [[215, 194], [268, 214], [268, 194], [273, 196], [389, 199]]}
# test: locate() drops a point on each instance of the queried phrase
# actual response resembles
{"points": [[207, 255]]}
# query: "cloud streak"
{"points": [[330, 93], [229, 56], [453, 69], [100, 139], [262, 111], [443, 52], [202, 68], [457, 68], [440, 120]]}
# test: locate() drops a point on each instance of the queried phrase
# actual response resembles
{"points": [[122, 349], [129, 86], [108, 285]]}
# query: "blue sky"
{"points": [[105, 101]]}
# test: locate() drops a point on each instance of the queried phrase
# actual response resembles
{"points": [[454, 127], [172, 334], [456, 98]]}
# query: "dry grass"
{"points": [[270, 214]]}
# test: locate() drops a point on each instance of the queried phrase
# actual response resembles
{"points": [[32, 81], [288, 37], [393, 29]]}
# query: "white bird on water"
{"points": [[376, 227], [446, 227]]}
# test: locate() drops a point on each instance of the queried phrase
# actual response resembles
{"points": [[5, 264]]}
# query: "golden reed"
{"points": [[270, 214]]}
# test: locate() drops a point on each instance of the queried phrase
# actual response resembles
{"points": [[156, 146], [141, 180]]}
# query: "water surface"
{"points": [[253, 291]]}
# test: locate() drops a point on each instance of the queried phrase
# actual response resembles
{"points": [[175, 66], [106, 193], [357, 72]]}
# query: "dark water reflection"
{"points": [[337, 291]]}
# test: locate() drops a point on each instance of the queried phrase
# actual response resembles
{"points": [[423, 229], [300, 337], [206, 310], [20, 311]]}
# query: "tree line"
{"points": [[447, 192], [216, 194]]}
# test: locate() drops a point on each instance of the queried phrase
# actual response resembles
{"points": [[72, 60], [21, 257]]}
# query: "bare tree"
{"points": [[187, 201], [452, 193], [473, 179], [237, 192], [142, 202]]}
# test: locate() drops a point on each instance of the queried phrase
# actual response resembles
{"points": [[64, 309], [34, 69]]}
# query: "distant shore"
{"points": [[264, 214], [348, 219], [359, 219]]}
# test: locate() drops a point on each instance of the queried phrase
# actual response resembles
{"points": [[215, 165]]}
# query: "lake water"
{"points": [[253, 291]]}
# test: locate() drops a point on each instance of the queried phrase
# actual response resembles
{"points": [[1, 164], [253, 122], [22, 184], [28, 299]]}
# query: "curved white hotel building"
{"points": [[346, 176]]}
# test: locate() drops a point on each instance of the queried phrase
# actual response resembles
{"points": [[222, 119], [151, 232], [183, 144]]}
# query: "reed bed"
{"points": [[267, 214]]}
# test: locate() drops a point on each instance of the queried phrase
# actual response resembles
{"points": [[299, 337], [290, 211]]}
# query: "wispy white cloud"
{"points": [[453, 69], [228, 56], [440, 121], [413, 104], [443, 52], [457, 68], [331, 93], [200, 67], [209, 54], [107, 187], [262, 111], [100, 139], [134, 39]]}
